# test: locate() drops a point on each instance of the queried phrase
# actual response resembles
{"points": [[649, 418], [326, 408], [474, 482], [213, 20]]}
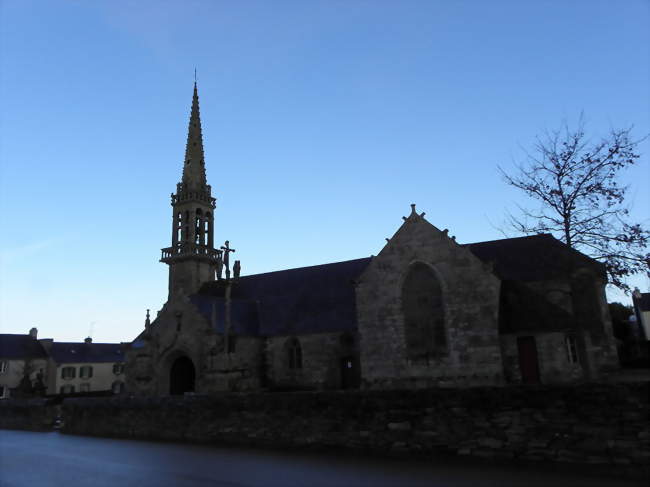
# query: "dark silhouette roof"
{"points": [[532, 258], [642, 302], [75, 352], [322, 299], [20, 347], [295, 301]]}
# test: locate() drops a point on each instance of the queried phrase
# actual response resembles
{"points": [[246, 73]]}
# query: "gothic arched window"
{"points": [[294, 354], [424, 314]]}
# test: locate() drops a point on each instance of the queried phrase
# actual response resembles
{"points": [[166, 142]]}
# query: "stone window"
{"points": [[571, 349], [67, 389], [85, 387], [424, 314], [118, 369], [86, 372], [68, 373], [4, 366], [294, 353], [117, 387]]}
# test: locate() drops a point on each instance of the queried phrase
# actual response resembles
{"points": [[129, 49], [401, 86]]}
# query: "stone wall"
{"points": [[604, 425], [321, 355], [554, 366], [27, 414], [470, 301]]}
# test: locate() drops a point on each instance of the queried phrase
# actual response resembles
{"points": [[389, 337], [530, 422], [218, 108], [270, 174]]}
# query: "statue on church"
{"points": [[219, 265], [236, 269]]}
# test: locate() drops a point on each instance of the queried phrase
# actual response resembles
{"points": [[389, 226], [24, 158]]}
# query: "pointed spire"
{"points": [[194, 164]]}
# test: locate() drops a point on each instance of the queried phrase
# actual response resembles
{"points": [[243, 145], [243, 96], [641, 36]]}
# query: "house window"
{"points": [[4, 366], [571, 349], [86, 372], [117, 387], [295, 354], [85, 387], [118, 369], [424, 315], [67, 389], [68, 373], [4, 392]]}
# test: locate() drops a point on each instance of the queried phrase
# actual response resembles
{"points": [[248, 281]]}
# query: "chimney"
{"points": [[88, 340], [33, 333]]}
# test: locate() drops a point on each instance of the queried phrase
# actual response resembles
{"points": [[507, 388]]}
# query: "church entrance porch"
{"points": [[181, 376]]}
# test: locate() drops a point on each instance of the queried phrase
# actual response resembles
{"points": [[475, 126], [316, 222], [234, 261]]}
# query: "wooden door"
{"points": [[349, 373], [528, 363]]}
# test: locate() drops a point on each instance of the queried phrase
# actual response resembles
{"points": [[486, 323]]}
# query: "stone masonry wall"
{"points": [[27, 414], [321, 361], [470, 293], [604, 425], [554, 366]]}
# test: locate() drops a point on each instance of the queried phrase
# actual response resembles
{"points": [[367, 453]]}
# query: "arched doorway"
{"points": [[181, 376]]}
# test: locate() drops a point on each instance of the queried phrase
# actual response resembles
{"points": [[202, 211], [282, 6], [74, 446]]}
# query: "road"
{"points": [[30, 459]]}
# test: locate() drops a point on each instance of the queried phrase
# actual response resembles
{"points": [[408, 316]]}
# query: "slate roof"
{"points": [[643, 303], [321, 298], [20, 347], [532, 258], [75, 352], [312, 299]]}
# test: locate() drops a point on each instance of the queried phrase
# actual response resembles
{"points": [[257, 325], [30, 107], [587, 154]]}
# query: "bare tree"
{"points": [[576, 182]]}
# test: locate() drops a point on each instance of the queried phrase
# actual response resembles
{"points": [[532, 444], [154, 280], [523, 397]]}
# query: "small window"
{"points": [[68, 373], [4, 366], [85, 387], [571, 349], [117, 387], [67, 389], [295, 354], [86, 372], [118, 369], [4, 392]]}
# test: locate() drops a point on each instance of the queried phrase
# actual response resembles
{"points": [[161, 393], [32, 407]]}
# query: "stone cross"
{"points": [[226, 257]]}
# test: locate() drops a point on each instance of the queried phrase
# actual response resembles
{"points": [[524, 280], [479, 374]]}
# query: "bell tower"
{"points": [[192, 258]]}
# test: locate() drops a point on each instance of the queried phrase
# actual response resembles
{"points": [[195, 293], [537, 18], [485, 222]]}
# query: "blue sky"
{"points": [[322, 122]]}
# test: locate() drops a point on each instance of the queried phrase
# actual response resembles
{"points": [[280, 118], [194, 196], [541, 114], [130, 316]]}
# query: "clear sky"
{"points": [[322, 122]]}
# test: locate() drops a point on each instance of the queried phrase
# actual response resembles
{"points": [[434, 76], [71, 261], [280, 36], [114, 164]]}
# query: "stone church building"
{"points": [[425, 312]]}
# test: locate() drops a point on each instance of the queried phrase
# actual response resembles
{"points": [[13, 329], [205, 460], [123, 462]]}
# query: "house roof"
{"points": [[295, 301], [20, 347], [75, 352], [531, 258]]}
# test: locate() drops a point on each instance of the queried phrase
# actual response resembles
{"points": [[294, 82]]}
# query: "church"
{"points": [[427, 311]]}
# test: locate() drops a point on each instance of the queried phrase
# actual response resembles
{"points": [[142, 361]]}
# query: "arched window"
{"points": [[198, 227], [294, 354], [424, 314], [178, 226]]}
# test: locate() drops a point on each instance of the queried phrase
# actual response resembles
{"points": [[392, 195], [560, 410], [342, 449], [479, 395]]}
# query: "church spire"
{"points": [[194, 164], [192, 258]]}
